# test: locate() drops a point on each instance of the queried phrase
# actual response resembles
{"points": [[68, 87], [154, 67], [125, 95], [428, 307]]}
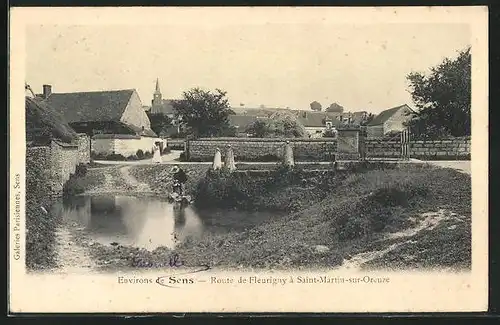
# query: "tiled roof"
{"points": [[243, 121], [316, 119], [91, 106], [385, 115]]}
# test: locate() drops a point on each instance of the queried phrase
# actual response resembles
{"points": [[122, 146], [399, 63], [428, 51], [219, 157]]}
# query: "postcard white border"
{"points": [[415, 292]]}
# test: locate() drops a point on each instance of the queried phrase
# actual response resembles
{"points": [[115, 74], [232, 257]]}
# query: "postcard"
{"points": [[263, 159]]}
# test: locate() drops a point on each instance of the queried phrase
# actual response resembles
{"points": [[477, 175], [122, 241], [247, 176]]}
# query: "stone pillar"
{"points": [[229, 163], [217, 164], [288, 155], [348, 144]]}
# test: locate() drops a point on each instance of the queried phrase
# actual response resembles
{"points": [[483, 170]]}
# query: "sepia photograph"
{"points": [[169, 155]]}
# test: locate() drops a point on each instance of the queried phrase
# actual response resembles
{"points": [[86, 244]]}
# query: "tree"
{"points": [[443, 98], [279, 125], [160, 123], [204, 113], [335, 108], [316, 106]]}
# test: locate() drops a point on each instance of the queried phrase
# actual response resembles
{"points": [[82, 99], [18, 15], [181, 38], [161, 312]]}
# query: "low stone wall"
{"points": [[453, 148], [176, 144], [379, 148], [48, 168], [38, 172], [457, 148], [266, 149], [83, 148], [63, 161]]}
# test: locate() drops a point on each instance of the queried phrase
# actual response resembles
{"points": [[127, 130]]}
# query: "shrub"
{"points": [[148, 155], [140, 154], [166, 150], [132, 157], [116, 156], [98, 156], [81, 170]]}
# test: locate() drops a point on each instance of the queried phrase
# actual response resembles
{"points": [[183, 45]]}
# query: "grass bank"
{"points": [[349, 213]]}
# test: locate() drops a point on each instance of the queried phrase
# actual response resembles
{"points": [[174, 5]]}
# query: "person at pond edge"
{"points": [[180, 179]]}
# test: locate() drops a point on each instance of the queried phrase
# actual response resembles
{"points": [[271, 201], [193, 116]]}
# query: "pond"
{"points": [[150, 222]]}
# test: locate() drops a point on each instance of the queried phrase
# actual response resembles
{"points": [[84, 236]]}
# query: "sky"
{"points": [[361, 67]]}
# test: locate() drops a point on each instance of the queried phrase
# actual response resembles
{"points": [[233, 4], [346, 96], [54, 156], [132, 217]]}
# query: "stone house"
{"points": [[317, 123], [115, 120], [390, 120]]}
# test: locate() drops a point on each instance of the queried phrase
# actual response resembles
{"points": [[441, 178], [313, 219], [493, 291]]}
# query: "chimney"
{"points": [[47, 91]]}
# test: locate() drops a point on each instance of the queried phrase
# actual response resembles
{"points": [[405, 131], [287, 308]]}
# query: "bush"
{"points": [[81, 170], [116, 156], [140, 154], [148, 155], [166, 150], [132, 157], [98, 156]]}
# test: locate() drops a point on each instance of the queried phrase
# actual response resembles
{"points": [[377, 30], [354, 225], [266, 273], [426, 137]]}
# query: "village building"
{"points": [[242, 122], [390, 120], [115, 119], [317, 123]]}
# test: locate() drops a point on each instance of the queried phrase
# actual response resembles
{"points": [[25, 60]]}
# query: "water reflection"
{"points": [[149, 222]]}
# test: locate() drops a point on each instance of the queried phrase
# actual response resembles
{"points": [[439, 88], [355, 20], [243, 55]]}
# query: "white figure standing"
{"points": [[156, 154], [229, 161], [217, 160], [288, 156]]}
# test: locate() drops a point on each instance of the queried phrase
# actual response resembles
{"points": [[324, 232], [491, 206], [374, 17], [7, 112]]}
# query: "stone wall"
{"points": [[453, 148], [38, 172], [457, 148], [64, 158], [267, 149], [48, 168], [380, 148], [83, 148]]}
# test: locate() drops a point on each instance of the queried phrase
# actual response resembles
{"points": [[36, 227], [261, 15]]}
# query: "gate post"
{"points": [[348, 144]]}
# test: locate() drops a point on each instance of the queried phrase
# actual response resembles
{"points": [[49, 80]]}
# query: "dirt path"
{"points": [[132, 182], [430, 221], [72, 257], [462, 166]]}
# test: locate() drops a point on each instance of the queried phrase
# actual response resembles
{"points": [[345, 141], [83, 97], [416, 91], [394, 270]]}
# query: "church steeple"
{"points": [[157, 101], [157, 89]]}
